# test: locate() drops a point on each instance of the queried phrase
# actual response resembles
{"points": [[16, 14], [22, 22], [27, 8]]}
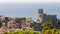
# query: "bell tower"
{"points": [[40, 15]]}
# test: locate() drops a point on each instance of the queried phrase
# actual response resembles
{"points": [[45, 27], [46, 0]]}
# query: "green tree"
{"points": [[58, 32], [6, 33], [26, 32], [59, 23], [48, 28], [12, 33], [47, 25]]}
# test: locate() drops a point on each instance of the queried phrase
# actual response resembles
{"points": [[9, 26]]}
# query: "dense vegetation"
{"points": [[23, 32], [48, 28]]}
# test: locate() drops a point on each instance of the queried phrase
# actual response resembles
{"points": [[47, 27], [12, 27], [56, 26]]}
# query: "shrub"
{"points": [[24, 32]]}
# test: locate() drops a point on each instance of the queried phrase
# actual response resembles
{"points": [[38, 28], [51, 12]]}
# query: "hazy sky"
{"points": [[28, 8]]}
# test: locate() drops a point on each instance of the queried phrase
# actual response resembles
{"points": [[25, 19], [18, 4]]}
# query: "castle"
{"points": [[43, 17]]}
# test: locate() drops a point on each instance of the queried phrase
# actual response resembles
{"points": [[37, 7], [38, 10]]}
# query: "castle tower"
{"points": [[40, 16]]}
